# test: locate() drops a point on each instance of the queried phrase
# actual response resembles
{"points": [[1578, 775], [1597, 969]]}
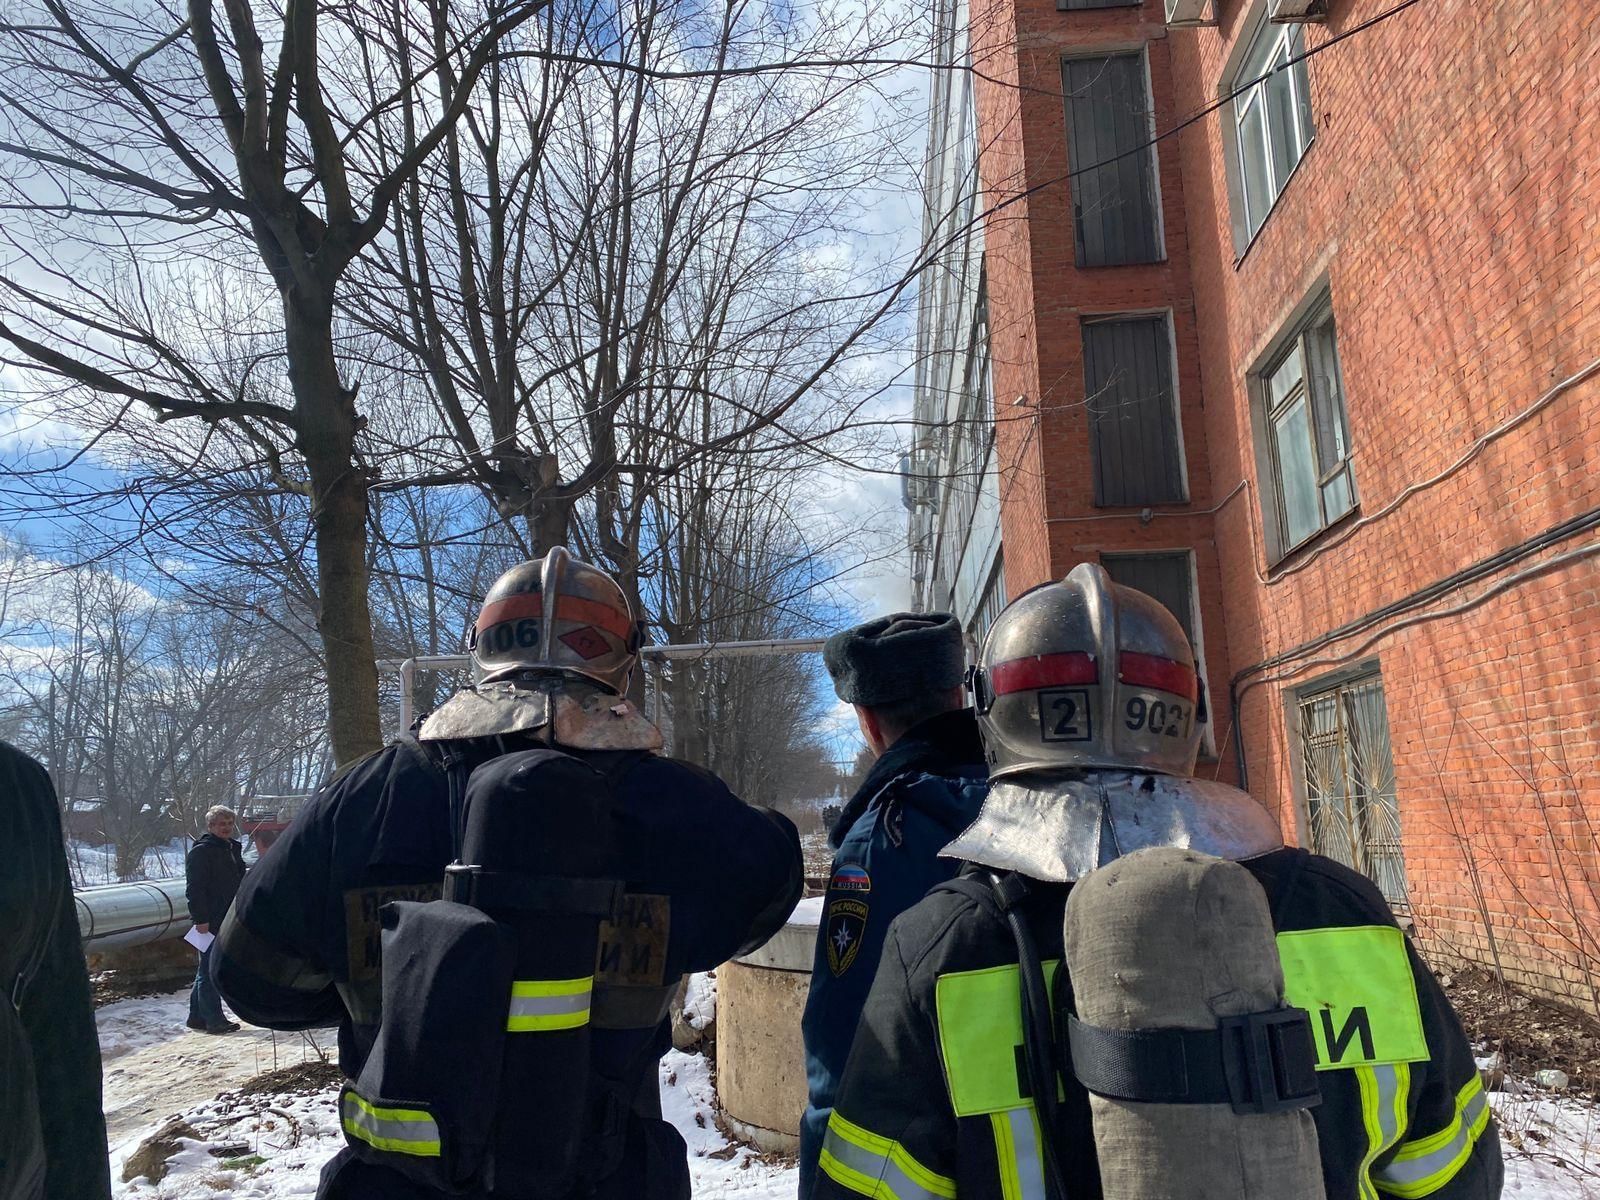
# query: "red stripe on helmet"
{"points": [[577, 609], [1043, 670], [1162, 674]]}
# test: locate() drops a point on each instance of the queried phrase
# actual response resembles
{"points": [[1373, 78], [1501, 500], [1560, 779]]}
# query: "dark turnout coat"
{"points": [[934, 1101], [707, 877], [52, 1132]]}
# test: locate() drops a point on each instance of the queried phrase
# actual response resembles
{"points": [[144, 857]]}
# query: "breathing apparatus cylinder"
{"points": [[539, 854], [1199, 1077]]}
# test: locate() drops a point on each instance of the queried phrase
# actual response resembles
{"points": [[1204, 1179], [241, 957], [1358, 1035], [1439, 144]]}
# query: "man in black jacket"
{"points": [[52, 1132], [215, 867]]}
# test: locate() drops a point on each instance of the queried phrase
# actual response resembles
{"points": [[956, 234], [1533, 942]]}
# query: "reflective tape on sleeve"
{"points": [[1384, 1090], [1018, 1154], [399, 1130], [879, 1167], [1424, 1165], [542, 1005]]}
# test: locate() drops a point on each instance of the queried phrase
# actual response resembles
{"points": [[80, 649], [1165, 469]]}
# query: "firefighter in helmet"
{"points": [[700, 877], [1091, 710]]}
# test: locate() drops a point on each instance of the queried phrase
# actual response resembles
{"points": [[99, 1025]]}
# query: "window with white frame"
{"points": [[1272, 119], [1307, 434]]}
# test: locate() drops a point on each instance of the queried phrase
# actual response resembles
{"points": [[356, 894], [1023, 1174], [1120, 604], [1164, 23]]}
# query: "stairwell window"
{"points": [[1307, 435], [1111, 157], [1272, 120]]}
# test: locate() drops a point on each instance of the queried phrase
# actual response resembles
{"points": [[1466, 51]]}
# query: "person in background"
{"points": [[215, 869], [52, 1131], [903, 674]]}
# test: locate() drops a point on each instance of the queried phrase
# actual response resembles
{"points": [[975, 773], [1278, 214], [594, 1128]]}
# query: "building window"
{"points": [[1115, 202], [1349, 775], [1169, 578], [991, 603], [1133, 412], [1068, 5], [1307, 433], [1272, 119]]}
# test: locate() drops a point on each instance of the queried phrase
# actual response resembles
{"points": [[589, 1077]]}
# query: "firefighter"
{"points": [[1090, 709], [52, 1130], [706, 877], [903, 675]]}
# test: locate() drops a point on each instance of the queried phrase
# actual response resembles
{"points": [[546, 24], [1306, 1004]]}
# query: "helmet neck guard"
{"points": [[1059, 828], [569, 714]]}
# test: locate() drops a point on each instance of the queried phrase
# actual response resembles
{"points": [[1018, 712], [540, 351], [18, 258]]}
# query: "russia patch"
{"points": [[850, 879], [846, 925]]}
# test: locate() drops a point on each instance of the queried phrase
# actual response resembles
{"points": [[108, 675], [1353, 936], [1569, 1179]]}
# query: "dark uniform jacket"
{"points": [[922, 792], [714, 876], [52, 1132], [1418, 1128], [213, 869]]}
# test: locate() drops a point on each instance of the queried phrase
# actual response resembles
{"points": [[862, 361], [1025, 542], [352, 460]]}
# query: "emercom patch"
{"points": [[980, 1035], [1356, 983]]}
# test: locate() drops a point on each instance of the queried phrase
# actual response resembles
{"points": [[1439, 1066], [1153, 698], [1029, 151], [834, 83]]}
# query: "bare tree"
{"points": [[135, 140]]}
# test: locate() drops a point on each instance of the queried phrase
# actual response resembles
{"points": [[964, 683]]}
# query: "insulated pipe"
{"points": [[132, 914]]}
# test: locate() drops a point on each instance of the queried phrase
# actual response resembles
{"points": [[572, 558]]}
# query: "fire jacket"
{"points": [[932, 1104], [709, 877], [52, 1132], [922, 792]]}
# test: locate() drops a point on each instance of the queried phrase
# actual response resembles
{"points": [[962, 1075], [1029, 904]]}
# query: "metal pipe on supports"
{"points": [[132, 914]]}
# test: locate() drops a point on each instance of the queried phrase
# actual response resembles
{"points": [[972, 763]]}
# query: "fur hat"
{"points": [[895, 658]]}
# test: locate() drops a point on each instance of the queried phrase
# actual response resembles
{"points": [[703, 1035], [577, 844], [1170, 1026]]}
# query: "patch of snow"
{"points": [[96, 866], [688, 1101], [807, 912], [700, 1000], [1551, 1144]]}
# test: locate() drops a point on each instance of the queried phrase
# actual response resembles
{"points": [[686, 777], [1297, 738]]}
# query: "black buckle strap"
{"points": [[1258, 1063], [481, 888]]}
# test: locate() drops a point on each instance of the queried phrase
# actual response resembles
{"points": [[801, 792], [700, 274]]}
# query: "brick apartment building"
{"points": [[1292, 318]]}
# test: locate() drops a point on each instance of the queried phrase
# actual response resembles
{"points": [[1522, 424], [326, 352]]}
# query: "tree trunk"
{"points": [[328, 424]]}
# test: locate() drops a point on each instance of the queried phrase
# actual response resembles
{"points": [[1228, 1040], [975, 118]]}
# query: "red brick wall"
{"points": [[1452, 202], [1451, 205]]}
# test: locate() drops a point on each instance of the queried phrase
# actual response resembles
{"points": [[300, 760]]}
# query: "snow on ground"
{"points": [[700, 1000], [155, 1066], [95, 866], [271, 1147]]}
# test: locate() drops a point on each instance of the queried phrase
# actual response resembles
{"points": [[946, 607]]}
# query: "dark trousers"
{"points": [[205, 1002]]}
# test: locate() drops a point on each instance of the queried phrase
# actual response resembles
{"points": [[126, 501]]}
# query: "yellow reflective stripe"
{"points": [[1017, 1150], [1384, 1091], [400, 1130], [541, 1005], [1423, 1166], [870, 1165]]}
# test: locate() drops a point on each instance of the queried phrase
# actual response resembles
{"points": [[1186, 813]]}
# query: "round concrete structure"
{"points": [[761, 1069]]}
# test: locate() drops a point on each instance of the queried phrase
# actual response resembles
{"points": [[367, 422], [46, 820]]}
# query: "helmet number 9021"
{"points": [[1163, 717]]}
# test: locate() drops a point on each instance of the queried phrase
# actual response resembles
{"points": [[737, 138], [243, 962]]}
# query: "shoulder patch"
{"points": [[845, 927], [1357, 986], [850, 878], [979, 1016]]}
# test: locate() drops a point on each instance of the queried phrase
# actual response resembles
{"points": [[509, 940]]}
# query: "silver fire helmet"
{"points": [[555, 615], [1086, 673], [1091, 714], [552, 651]]}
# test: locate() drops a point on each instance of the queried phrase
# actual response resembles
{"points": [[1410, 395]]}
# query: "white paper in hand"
{"points": [[200, 941]]}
